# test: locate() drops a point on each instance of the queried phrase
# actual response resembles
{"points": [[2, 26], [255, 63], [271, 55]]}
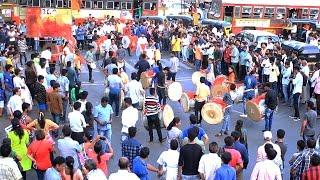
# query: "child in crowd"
{"points": [[226, 115]]}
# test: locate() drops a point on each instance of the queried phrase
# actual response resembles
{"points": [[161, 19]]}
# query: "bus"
{"points": [[271, 15], [97, 8]]}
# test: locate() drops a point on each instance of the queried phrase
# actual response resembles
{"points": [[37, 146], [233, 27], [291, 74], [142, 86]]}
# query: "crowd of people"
{"points": [[76, 144]]}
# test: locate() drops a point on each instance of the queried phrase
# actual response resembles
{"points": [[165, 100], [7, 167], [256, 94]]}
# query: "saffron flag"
{"points": [[76, 4]]}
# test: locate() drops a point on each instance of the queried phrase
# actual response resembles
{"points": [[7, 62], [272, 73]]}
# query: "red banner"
{"points": [[42, 22]]}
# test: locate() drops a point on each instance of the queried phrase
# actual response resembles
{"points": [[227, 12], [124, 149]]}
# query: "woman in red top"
{"points": [[39, 152], [231, 75], [99, 157]]}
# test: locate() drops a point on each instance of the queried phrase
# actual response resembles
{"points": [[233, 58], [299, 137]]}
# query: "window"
{"points": [[69, 4], [110, 5], [87, 4], [126, 5], [237, 12], [314, 13], [36, 3], [23, 2], [116, 5], [305, 13], [50, 3], [246, 12], [281, 13], [269, 12], [97, 5], [147, 6], [60, 3], [257, 12]]}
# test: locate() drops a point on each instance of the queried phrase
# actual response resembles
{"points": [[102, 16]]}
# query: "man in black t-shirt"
{"points": [[271, 102], [189, 158]]}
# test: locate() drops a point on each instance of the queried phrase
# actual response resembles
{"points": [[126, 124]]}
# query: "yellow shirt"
{"points": [[176, 44], [203, 92], [48, 126], [9, 61]]}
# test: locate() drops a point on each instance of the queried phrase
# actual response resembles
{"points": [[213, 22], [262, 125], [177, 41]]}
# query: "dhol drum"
{"points": [[212, 112], [237, 94], [196, 77], [219, 86], [256, 107], [187, 101], [175, 91], [165, 116], [146, 79]]}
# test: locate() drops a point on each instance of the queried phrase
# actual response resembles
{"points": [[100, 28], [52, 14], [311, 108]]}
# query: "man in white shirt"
{"points": [[77, 123], [123, 172], [135, 90], [168, 160], [314, 77], [8, 167], [266, 68], [150, 52], [297, 83], [46, 54], [267, 169], [129, 117], [185, 48], [174, 67], [209, 163], [15, 102], [306, 71], [261, 153]]}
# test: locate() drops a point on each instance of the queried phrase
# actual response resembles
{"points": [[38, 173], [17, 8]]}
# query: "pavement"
{"points": [[255, 135]]}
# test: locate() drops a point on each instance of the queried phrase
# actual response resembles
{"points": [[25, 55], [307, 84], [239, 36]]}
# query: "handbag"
{"points": [[93, 65]]}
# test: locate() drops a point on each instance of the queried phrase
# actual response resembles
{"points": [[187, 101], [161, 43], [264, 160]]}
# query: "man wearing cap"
{"points": [[261, 153], [202, 95]]}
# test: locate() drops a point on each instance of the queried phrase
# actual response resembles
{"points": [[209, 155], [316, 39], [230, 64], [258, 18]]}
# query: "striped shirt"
{"points": [[312, 173], [152, 105]]}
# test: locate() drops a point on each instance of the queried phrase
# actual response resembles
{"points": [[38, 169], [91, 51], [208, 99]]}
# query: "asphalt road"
{"points": [[255, 136]]}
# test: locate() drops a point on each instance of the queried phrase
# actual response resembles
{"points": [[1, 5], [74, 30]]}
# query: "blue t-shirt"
{"points": [[140, 168], [114, 82], [8, 80], [250, 82], [103, 114], [200, 135], [2, 94]]}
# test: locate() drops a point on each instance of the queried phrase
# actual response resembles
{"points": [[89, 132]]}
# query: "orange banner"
{"points": [[44, 22]]}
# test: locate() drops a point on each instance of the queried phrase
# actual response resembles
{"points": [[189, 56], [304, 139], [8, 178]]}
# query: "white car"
{"points": [[252, 36], [176, 8]]}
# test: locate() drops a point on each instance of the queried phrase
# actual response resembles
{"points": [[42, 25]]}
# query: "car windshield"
{"points": [[265, 38]]}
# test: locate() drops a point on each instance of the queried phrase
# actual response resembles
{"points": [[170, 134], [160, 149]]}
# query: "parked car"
{"points": [[252, 36], [226, 26], [305, 51]]}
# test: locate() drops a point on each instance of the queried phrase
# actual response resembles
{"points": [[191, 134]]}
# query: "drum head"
{"points": [[219, 90], [196, 77], [167, 115], [220, 80], [185, 102], [175, 91], [145, 80], [212, 113], [253, 111], [122, 98]]}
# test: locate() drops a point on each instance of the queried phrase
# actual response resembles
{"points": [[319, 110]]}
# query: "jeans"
{"points": [[154, 121], [56, 119], [106, 132], [172, 76], [8, 95], [197, 109], [40, 174], [304, 94], [162, 95], [268, 117], [218, 67], [185, 53], [296, 99], [65, 106], [197, 64], [236, 68], [190, 177], [115, 98], [23, 55], [90, 72], [226, 123], [36, 45], [285, 92], [318, 103]]}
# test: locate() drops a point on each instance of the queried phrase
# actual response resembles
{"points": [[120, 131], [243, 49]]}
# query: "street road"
{"points": [[255, 136]]}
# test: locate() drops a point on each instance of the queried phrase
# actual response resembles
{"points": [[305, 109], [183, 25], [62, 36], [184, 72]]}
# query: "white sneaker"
{"points": [[243, 115], [296, 119]]}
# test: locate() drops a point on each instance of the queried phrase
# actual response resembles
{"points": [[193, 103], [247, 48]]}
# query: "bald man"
{"points": [[124, 171]]}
